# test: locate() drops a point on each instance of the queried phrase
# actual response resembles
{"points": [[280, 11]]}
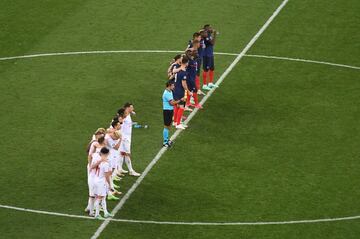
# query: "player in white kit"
{"points": [[113, 143], [126, 131], [93, 155], [102, 182]]}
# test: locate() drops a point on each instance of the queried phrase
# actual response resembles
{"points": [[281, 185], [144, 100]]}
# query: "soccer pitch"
{"points": [[273, 154]]}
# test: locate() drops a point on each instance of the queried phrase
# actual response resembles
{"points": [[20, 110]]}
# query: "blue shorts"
{"points": [[208, 63]]}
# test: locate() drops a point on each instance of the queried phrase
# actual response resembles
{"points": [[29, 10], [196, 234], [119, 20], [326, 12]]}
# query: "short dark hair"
{"points": [[104, 150], [101, 139], [120, 112], [184, 60], [196, 34], [169, 83], [114, 122], [206, 25], [177, 57], [127, 105]]}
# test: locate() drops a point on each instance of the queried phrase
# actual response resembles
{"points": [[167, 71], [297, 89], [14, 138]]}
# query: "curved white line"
{"points": [[172, 51], [99, 52], [304, 60], [187, 223]]}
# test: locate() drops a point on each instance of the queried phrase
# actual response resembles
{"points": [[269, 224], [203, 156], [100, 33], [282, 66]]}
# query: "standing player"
{"points": [[197, 43], [209, 35], [179, 92], [168, 111], [191, 74], [175, 63], [126, 131], [102, 182], [113, 143]]}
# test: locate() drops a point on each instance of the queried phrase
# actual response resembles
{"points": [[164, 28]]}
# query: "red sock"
{"points": [[197, 82], [204, 77], [175, 112], [196, 99], [211, 76], [179, 115], [188, 99]]}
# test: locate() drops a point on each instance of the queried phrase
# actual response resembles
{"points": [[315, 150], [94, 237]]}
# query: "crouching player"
{"points": [[102, 182], [168, 110]]}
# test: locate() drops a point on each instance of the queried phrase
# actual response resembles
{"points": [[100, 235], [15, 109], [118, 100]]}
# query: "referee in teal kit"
{"points": [[168, 111]]}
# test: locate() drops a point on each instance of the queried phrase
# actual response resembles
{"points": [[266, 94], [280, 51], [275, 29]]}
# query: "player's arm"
{"points": [[108, 176], [213, 37], [95, 165], [184, 84]]}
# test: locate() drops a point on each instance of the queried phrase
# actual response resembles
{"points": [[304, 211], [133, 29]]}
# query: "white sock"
{"points": [[91, 204], [103, 203], [97, 207], [128, 163], [121, 163]]}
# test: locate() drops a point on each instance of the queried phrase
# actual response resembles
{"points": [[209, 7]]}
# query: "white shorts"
{"points": [[100, 188], [114, 160], [125, 145], [91, 186]]}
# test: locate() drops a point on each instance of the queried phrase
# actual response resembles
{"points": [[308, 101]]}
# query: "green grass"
{"points": [[277, 141]]}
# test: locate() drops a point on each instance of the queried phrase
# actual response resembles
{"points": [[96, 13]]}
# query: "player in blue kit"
{"points": [[179, 92], [168, 111], [191, 70], [209, 35], [197, 43]]}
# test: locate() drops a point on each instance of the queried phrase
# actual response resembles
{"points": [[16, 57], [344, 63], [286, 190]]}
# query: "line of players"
{"points": [[183, 84], [107, 151]]}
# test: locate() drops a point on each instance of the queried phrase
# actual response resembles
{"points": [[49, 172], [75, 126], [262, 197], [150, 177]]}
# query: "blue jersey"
{"points": [[166, 98], [192, 69], [201, 49], [179, 91], [209, 47]]}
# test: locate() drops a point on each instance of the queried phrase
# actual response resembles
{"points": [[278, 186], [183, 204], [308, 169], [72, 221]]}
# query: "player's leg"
{"points": [[197, 79], [205, 72], [179, 115], [211, 72], [168, 114]]}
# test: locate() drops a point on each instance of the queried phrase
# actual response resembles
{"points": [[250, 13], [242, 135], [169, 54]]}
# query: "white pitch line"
{"points": [[303, 60], [188, 223], [172, 51], [177, 132], [99, 52]]}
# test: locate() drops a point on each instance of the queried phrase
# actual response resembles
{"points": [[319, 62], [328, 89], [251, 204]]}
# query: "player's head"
{"points": [[115, 135], [196, 44], [197, 36], [203, 33], [177, 58], [128, 107], [99, 132], [101, 139], [170, 85], [207, 27], [188, 53], [104, 151], [184, 60], [120, 112], [115, 124]]}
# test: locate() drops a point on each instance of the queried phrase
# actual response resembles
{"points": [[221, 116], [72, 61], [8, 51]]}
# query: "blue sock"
{"points": [[166, 135]]}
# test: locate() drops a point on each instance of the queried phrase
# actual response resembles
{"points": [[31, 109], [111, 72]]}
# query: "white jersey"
{"points": [[111, 143], [126, 128], [102, 169], [95, 158]]}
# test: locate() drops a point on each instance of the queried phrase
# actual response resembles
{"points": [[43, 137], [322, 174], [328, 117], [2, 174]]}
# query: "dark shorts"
{"points": [[191, 85], [168, 115], [208, 63], [199, 66]]}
